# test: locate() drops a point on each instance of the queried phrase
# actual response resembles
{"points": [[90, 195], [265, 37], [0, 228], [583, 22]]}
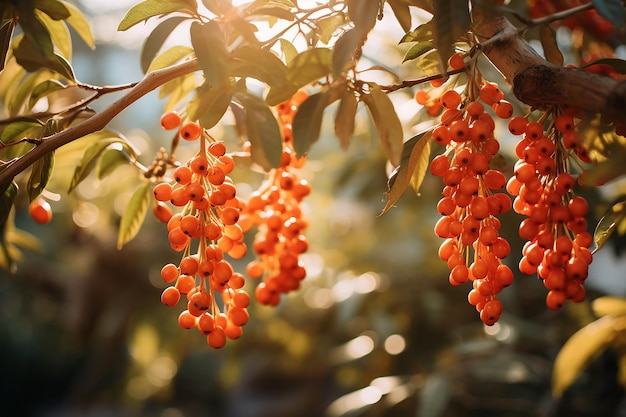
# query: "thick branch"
{"points": [[538, 83], [97, 122]]}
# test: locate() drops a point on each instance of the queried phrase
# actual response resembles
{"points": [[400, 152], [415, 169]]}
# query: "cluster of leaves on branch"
{"points": [[280, 84]]}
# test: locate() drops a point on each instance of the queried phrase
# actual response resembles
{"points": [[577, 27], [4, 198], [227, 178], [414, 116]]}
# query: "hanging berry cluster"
{"points": [[555, 227], [275, 210], [473, 248], [206, 228]]}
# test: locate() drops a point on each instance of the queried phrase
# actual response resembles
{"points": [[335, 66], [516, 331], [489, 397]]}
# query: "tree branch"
{"points": [[96, 122], [541, 84]]}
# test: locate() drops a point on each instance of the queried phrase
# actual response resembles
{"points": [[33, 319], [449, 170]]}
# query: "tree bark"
{"points": [[540, 84]]}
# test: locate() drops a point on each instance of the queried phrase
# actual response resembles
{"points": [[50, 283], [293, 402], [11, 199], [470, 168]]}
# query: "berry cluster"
{"points": [[275, 210], [555, 227], [473, 248], [209, 215]]}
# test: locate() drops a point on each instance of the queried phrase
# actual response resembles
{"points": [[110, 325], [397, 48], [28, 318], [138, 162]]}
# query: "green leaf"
{"points": [[263, 131], [6, 32], [617, 64], [59, 33], [209, 104], [53, 8], [364, 13], [134, 215], [178, 89], [6, 201], [114, 156], [345, 50], [402, 12], [102, 140], [422, 33], [208, 43], [155, 40], [452, 21], [307, 123], [417, 50], [387, 122], [289, 51], [579, 350], [305, 68], [258, 63], [169, 57], [609, 306], [18, 130], [43, 89], [218, 7], [40, 175], [326, 26], [615, 215], [80, 24], [150, 8], [551, 51], [611, 10], [345, 118], [36, 36], [412, 168]]}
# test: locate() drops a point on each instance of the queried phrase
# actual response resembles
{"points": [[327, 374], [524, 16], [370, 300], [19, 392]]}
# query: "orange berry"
{"points": [[503, 109], [162, 212], [190, 131], [199, 165], [169, 273], [217, 338], [40, 211], [162, 191], [186, 320], [517, 125], [182, 175], [170, 296], [475, 109], [456, 61], [217, 148], [422, 96], [170, 120], [451, 99]]}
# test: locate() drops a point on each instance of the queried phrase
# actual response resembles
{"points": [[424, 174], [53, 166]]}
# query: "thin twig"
{"points": [[96, 122]]}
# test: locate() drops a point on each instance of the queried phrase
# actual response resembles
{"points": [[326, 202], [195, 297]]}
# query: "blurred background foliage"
{"points": [[376, 329]]}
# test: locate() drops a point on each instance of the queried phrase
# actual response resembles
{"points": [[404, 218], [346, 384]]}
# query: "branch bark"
{"points": [[540, 84], [96, 122]]}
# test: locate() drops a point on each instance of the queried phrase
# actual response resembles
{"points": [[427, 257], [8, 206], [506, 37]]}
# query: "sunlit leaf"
{"points": [[551, 51], [387, 122], [18, 130], [6, 31], [208, 43], [80, 24], [209, 104], [305, 68], [307, 122], [43, 89], [59, 33], [102, 140], [412, 168], [345, 49], [262, 130], [156, 38], [178, 90], [218, 7], [261, 64], [417, 50], [452, 20], [40, 175], [363, 13], [609, 306], [53, 8], [612, 10], [289, 51], [422, 33], [327, 26], [615, 215], [402, 13], [579, 350], [114, 156], [134, 215], [150, 8], [169, 57], [345, 118]]}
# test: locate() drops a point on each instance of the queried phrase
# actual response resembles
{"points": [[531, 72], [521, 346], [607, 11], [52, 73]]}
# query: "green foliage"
{"points": [[134, 215]]}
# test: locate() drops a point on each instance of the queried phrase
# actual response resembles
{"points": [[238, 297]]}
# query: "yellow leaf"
{"points": [[579, 350], [609, 305]]}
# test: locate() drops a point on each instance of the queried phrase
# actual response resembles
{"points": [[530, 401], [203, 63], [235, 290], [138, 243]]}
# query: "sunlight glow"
{"points": [[395, 344]]}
